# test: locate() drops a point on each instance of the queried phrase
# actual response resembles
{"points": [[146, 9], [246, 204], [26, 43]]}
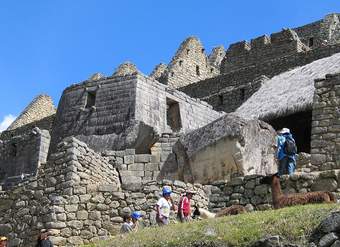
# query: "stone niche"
{"points": [[224, 148]]}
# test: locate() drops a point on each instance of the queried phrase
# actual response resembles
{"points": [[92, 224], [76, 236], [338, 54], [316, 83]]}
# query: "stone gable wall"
{"points": [[325, 139], [189, 65], [41, 107]]}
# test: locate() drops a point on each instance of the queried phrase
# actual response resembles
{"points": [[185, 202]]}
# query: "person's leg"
{"points": [[291, 166], [282, 167]]}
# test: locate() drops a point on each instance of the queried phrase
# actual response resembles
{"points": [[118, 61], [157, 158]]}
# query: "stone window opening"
{"points": [[90, 99], [172, 74], [173, 116], [211, 70], [14, 150], [198, 73], [220, 99], [311, 42], [203, 50], [180, 62], [243, 94], [188, 50]]}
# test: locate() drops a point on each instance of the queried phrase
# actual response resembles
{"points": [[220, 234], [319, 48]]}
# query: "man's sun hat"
{"points": [[3, 238], [285, 131]]}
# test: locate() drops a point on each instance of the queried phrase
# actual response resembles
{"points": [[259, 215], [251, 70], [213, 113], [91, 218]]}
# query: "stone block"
{"points": [[71, 208], [82, 215], [107, 188], [55, 225], [75, 240], [95, 215], [142, 158], [57, 240], [129, 159], [75, 224], [328, 239], [132, 183], [136, 167], [324, 184], [155, 158], [152, 167], [118, 195], [261, 190]]}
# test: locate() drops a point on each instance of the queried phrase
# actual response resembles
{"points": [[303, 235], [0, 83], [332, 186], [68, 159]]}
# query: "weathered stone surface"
{"points": [[328, 239], [325, 184], [229, 145]]}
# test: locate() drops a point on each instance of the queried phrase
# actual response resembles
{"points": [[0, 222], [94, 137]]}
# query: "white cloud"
{"points": [[6, 122]]}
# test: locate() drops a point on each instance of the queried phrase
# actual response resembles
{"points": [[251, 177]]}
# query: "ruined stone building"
{"points": [[204, 121]]}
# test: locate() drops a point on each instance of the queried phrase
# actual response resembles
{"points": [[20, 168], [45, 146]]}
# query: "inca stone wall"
{"points": [[21, 156], [44, 124], [78, 197], [135, 169], [100, 121], [325, 149], [248, 191], [320, 33], [126, 112], [155, 99], [230, 98], [211, 87], [244, 54]]}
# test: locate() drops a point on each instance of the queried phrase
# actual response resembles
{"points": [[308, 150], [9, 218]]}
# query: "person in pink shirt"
{"points": [[184, 210]]}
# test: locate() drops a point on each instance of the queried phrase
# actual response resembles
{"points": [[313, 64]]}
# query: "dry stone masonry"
{"points": [[325, 149], [115, 141]]}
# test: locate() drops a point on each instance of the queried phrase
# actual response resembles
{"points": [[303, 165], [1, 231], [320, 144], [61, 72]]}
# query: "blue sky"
{"points": [[47, 45]]}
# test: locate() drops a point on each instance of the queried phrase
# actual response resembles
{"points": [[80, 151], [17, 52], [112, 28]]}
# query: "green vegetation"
{"points": [[294, 224]]}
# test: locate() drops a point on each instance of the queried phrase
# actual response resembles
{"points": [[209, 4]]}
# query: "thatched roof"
{"points": [[289, 92]]}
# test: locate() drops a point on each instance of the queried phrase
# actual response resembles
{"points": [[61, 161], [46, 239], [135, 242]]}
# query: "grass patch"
{"points": [[294, 224]]}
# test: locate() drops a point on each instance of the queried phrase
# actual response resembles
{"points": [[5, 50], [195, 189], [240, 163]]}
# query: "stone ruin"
{"points": [[201, 122]]}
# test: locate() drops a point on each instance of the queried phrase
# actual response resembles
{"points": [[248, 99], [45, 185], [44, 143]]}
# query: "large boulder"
{"points": [[327, 233], [228, 146]]}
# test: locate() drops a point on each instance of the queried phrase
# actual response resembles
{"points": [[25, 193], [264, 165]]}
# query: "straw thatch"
{"points": [[289, 92]]}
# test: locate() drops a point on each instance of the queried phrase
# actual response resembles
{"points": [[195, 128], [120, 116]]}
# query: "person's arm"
{"points": [[158, 213], [173, 206]]}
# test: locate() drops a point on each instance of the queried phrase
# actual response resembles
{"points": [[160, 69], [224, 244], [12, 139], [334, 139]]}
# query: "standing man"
{"points": [[286, 152], [184, 210], [163, 207]]}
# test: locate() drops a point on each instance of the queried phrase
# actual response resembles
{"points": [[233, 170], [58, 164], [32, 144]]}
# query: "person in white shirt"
{"points": [[127, 225], [163, 207]]}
